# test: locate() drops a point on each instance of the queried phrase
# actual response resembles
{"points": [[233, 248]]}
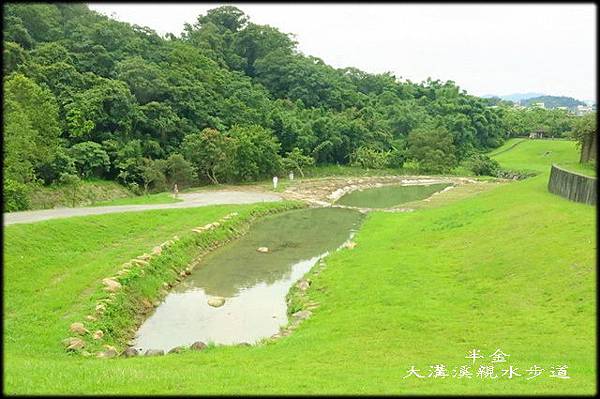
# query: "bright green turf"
{"points": [[510, 268], [536, 155], [588, 169]]}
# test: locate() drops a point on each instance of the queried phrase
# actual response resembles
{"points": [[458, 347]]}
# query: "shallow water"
{"points": [[390, 196], [253, 284]]}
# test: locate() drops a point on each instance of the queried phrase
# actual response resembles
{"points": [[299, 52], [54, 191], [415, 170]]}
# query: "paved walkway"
{"points": [[190, 200]]}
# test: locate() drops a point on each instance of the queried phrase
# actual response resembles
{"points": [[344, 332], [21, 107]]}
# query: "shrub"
{"points": [[153, 177], [90, 159], [61, 163], [296, 160], [433, 148], [179, 171], [396, 158], [73, 182], [482, 165], [367, 157], [15, 196]]}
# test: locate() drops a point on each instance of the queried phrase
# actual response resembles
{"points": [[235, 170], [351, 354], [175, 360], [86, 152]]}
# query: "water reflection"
{"points": [[254, 284]]}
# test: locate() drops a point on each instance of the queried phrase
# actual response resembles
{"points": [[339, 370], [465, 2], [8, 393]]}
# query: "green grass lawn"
{"points": [[159, 198], [588, 169], [536, 155], [512, 267]]}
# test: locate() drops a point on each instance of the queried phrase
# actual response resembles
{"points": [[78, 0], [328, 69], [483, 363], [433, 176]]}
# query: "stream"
{"points": [[253, 284], [390, 196]]}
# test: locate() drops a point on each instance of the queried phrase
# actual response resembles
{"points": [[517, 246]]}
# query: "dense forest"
{"points": [[86, 96]]}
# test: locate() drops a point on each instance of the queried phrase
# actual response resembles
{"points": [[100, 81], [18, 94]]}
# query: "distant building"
{"points": [[536, 135], [584, 109], [538, 105], [563, 108]]}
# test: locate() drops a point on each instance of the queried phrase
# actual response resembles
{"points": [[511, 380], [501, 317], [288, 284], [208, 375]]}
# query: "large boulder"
{"points": [[146, 303], [110, 352], [144, 257], [350, 245], [302, 314], [216, 301], [130, 352], [78, 328], [111, 285], [154, 352], [73, 343], [263, 250], [303, 285], [177, 349], [198, 346], [140, 262]]}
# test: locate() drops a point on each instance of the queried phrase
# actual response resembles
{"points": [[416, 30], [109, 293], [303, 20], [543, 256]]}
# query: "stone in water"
{"points": [[216, 301]]}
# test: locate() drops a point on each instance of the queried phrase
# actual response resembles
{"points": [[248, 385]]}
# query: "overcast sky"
{"points": [[485, 49]]}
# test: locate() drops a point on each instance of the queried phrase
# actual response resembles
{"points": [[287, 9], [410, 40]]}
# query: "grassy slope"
{"points": [[511, 268], [531, 154], [588, 169], [89, 193]]}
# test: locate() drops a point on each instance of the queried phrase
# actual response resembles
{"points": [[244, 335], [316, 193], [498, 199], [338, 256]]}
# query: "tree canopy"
{"points": [[226, 100]]}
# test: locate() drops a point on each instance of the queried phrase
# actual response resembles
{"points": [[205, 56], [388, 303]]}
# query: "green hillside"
{"points": [[512, 268], [553, 102]]}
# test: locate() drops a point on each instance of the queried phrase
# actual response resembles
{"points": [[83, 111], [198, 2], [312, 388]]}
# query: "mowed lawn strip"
{"points": [[536, 155], [511, 268]]}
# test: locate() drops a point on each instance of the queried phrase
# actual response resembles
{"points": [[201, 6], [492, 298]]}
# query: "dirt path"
{"points": [[190, 200], [318, 192]]}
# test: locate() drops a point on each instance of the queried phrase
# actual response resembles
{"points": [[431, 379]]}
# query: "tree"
{"points": [[179, 171], [152, 174], [31, 129], [255, 153], [19, 144], [15, 195], [102, 112], [73, 182], [296, 160], [225, 18], [208, 151], [145, 79], [14, 55], [584, 131], [432, 147], [61, 163], [90, 159], [16, 32], [256, 41]]}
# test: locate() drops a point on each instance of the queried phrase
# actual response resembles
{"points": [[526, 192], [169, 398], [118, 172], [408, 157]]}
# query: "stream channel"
{"points": [[254, 284]]}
